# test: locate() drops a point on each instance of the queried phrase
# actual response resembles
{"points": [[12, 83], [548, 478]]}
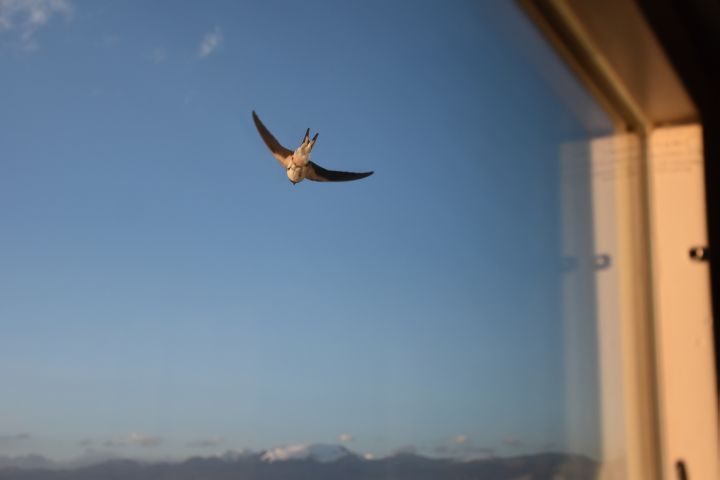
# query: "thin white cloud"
{"points": [[210, 42], [85, 442], [462, 448], [144, 440], [134, 439], [13, 439], [26, 17], [109, 40], [512, 442], [345, 438], [157, 55], [206, 442]]}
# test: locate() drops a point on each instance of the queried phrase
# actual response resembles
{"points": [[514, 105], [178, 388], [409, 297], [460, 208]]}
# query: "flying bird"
{"points": [[298, 164]]}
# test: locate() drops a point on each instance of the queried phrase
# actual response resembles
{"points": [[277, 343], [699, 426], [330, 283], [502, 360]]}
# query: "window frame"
{"points": [[680, 38]]}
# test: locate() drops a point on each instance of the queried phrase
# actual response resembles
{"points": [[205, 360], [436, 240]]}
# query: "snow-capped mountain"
{"points": [[319, 452], [309, 461]]}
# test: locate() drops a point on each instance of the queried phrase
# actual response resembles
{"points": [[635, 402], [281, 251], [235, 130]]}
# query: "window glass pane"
{"points": [[167, 293]]}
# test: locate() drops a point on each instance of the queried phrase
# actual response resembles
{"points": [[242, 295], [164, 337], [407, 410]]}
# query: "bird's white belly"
{"points": [[295, 173]]}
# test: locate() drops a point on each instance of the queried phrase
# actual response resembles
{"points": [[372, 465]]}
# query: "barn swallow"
{"points": [[297, 164]]}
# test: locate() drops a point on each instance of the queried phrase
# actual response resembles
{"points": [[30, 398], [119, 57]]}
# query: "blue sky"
{"points": [[165, 287]]}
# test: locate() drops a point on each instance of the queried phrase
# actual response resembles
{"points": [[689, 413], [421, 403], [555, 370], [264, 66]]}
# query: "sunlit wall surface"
{"points": [[165, 292]]}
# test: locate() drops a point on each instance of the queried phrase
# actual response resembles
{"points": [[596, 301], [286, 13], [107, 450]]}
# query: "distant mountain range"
{"points": [[311, 462]]}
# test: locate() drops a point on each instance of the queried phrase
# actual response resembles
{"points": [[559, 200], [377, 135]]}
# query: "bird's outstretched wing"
{"points": [[319, 174], [281, 153]]}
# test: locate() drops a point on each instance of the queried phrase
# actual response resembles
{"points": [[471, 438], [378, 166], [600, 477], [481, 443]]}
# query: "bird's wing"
{"points": [[319, 174], [281, 153]]}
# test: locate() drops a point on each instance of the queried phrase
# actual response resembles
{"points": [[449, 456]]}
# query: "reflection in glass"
{"points": [[167, 295]]}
